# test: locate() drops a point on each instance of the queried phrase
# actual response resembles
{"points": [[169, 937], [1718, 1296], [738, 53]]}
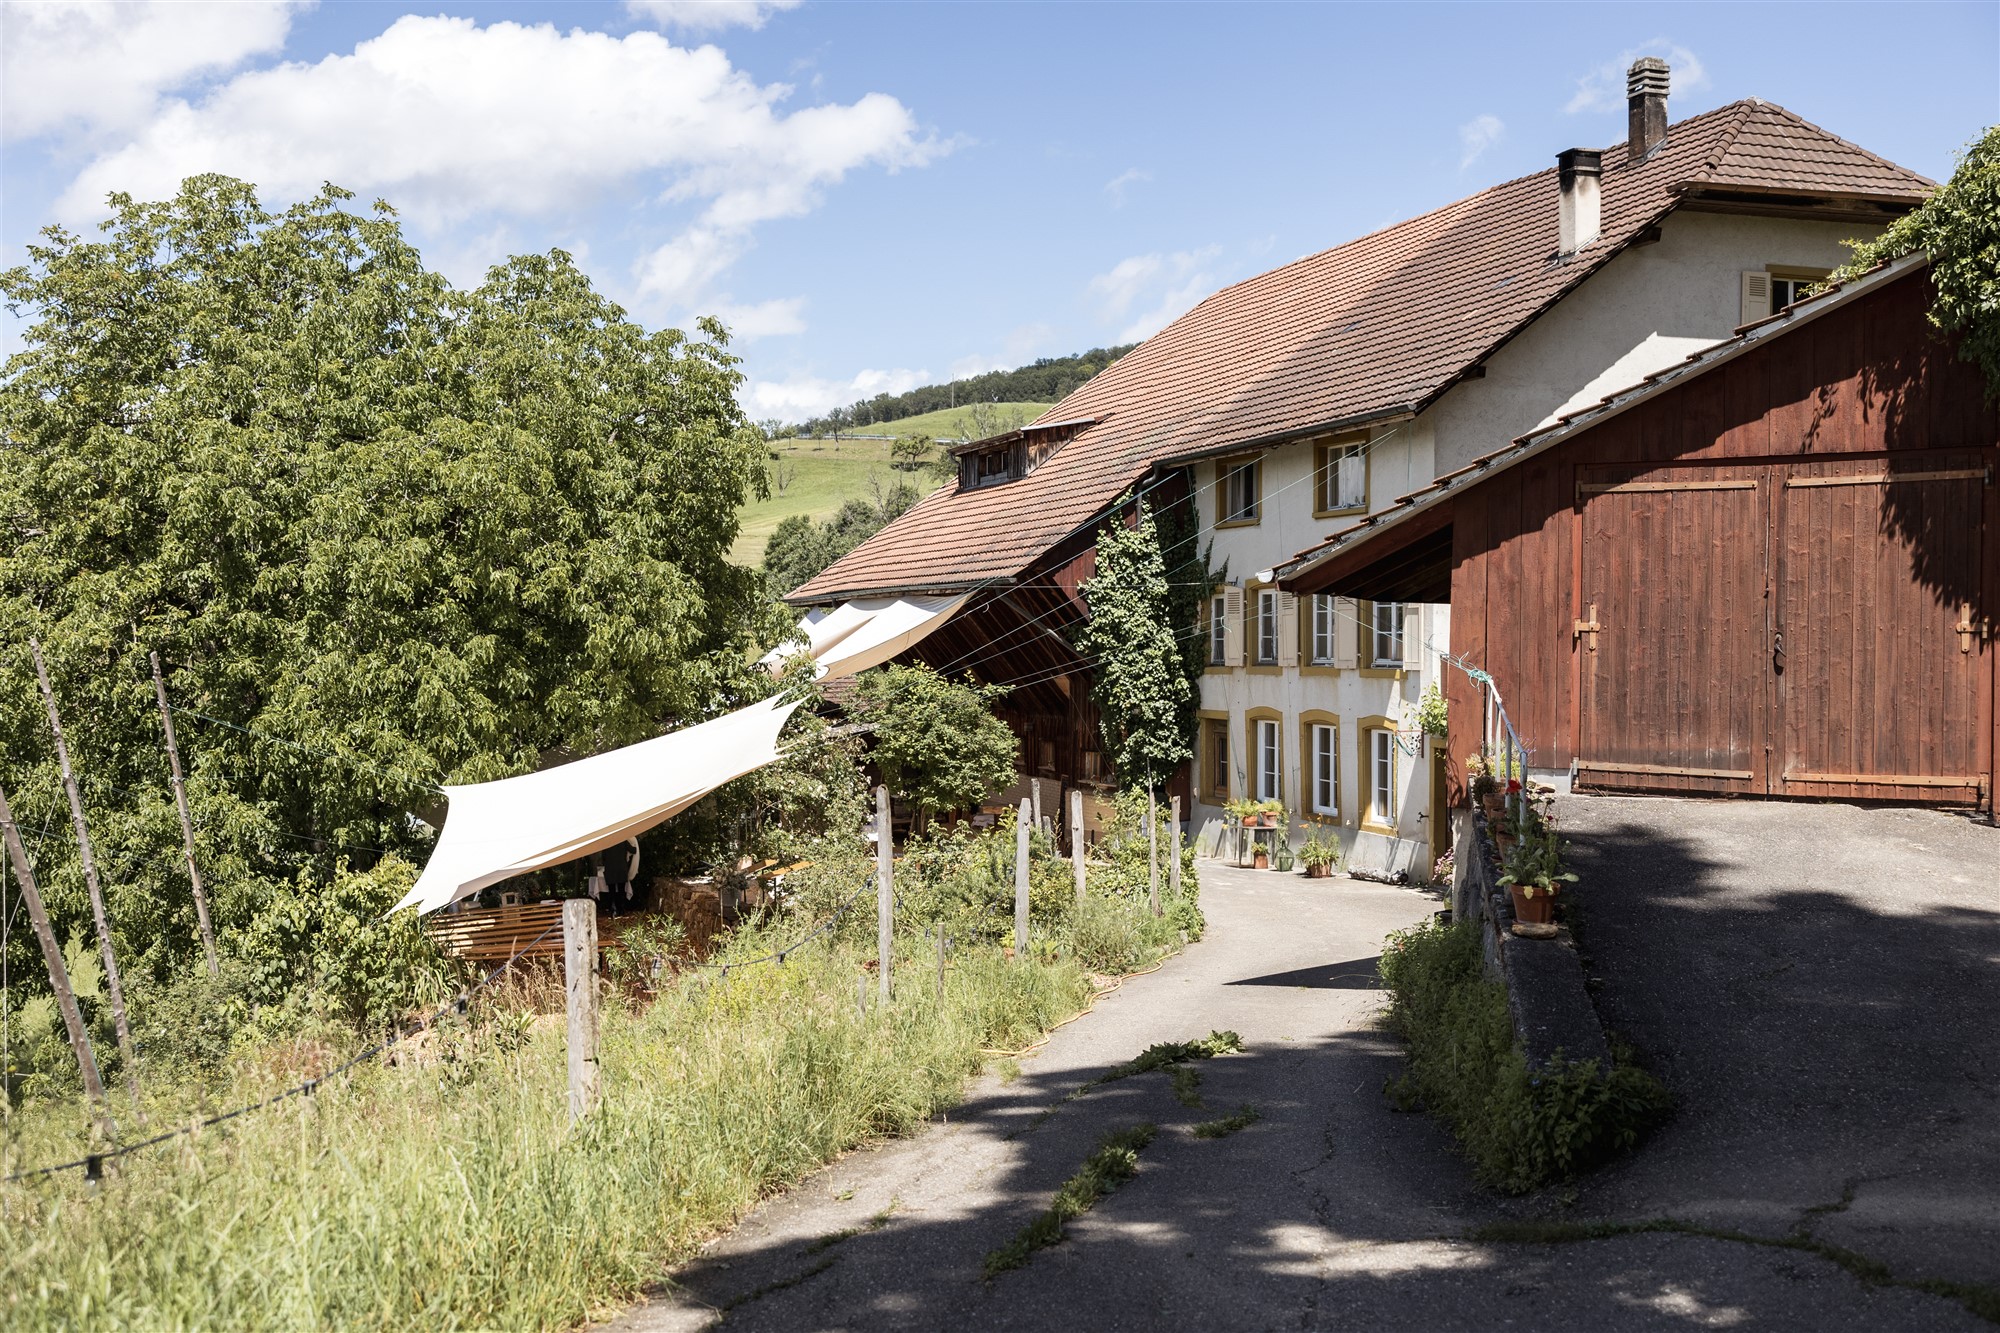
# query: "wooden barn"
{"points": [[1768, 571]]}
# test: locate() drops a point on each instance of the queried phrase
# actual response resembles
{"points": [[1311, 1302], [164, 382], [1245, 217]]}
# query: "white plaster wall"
{"points": [[1686, 285]]}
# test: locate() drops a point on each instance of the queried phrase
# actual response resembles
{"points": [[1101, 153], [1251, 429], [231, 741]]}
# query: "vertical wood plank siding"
{"points": [[1832, 487]]}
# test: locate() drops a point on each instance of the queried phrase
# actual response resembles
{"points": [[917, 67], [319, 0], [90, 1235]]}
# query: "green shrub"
{"points": [[1520, 1127]]}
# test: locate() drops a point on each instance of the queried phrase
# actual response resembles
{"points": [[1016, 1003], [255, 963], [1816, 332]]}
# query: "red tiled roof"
{"points": [[1375, 327]]}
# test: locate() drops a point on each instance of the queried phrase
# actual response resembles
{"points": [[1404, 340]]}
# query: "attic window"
{"points": [[990, 467]]}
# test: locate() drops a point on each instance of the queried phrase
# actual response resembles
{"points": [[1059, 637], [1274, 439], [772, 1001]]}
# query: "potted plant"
{"points": [[1482, 786], [1242, 811], [1320, 854], [1534, 875], [1260, 858], [1270, 812]]}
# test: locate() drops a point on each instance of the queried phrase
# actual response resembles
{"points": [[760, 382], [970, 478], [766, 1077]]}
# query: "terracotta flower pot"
{"points": [[1319, 872], [1493, 806], [1538, 910], [1260, 860], [1249, 821], [1268, 821]]}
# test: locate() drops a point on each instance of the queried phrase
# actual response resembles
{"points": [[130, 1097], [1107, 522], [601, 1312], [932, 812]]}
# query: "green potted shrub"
{"points": [[1534, 876], [1321, 853], [1243, 811]]}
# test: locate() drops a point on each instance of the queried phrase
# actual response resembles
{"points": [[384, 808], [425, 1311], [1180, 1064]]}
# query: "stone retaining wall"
{"points": [[1544, 978]]}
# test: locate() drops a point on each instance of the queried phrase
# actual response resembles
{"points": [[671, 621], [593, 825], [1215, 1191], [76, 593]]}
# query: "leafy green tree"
{"points": [[911, 452], [383, 533], [1141, 685], [937, 743], [1959, 226]]}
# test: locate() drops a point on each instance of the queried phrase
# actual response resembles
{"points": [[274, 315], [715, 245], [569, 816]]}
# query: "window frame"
{"points": [[1268, 609], [1793, 277], [1377, 635], [1270, 743], [1325, 607], [1327, 456], [1226, 472], [1215, 756], [1218, 630], [1382, 748], [1322, 772]]}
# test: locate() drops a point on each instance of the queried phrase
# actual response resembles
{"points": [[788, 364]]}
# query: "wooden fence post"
{"points": [[885, 892], [1021, 883], [1076, 837], [1152, 853], [187, 822], [79, 1036], [1174, 866], [579, 921], [1035, 786], [127, 1053]]}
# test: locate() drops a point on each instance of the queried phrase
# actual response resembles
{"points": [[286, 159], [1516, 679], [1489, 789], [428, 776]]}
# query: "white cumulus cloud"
{"points": [[1603, 88], [708, 15], [1476, 136], [1150, 291], [763, 319], [1117, 186], [97, 68], [452, 120], [803, 396]]}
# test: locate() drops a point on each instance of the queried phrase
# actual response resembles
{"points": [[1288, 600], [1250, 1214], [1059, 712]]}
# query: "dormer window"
{"points": [[991, 466]]}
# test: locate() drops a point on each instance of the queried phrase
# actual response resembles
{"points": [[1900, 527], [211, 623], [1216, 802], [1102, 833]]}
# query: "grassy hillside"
{"points": [[825, 474], [956, 423], [828, 473]]}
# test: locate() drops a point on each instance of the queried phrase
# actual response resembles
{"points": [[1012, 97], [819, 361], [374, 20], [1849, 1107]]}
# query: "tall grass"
{"points": [[448, 1191]]}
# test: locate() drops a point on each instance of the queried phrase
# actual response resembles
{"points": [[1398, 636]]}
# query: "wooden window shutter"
{"points": [[1288, 629], [1413, 637], [1232, 630], [1346, 612], [1756, 297]]}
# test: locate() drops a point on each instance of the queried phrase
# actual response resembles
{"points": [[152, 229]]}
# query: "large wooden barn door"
{"points": [[1672, 628], [1880, 686]]}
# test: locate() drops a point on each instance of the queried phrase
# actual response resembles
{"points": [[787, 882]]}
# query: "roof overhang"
{"points": [[1371, 553]]}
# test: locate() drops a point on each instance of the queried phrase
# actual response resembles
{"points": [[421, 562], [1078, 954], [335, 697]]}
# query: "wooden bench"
{"points": [[495, 934]]}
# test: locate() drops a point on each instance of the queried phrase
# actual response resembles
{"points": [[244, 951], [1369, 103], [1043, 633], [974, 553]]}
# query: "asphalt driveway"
{"points": [[1332, 1211], [1819, 985]]}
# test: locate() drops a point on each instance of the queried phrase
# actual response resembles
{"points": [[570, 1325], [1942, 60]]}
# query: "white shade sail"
{"points": [[864, 633], [496, 830]]}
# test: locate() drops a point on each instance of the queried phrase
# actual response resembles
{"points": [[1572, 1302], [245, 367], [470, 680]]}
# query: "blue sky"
{"points": [[881, 195]]}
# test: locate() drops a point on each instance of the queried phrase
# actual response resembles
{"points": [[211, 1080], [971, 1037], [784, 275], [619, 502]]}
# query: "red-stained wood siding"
{"points": [[1734, 547]]}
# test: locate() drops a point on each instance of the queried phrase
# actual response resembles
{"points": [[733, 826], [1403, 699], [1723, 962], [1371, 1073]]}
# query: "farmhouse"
{"points": [[1288, 407], [1769, 570]]}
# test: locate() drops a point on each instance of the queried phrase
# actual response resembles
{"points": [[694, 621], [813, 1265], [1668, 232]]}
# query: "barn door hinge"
{"points": [[1582, 627]]}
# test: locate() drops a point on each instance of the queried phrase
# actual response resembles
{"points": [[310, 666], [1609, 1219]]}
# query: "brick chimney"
{"points": [[1578, 170], [1646, 105]]}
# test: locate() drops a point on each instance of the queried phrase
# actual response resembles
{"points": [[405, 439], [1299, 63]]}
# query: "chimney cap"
{"points": [[1648, 75], [1574, 162]]}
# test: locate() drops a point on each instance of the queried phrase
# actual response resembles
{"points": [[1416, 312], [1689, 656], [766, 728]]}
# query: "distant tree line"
{"points": [[1048, 380]]}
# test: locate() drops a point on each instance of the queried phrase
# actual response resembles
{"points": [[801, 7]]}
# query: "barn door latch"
{"points": [[1590, 627], [1967, 627]]}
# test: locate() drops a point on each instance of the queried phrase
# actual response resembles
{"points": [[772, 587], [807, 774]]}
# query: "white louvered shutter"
{"points": [[1756, 297], [1353, 479], [1288, 629], [1232, 630], [1346, 617], [1413, 637]]}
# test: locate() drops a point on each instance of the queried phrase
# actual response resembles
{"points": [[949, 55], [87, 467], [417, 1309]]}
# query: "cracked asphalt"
{"points": [[1332, 1211]]}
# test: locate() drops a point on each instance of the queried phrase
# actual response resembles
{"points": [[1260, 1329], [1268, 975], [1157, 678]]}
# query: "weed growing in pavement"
{"points": [[1521, 1127], [1187, 1084], [1163, 1054], [1115, 1162], [1241, 1118]]}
